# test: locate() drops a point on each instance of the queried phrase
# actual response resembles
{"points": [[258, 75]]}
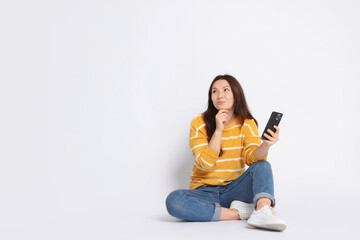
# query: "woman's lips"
{"points": [[221, 102]]}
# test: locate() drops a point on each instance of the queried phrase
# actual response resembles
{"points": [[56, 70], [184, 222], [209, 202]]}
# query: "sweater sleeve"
{"points": [[251, 143], [205, 157]]}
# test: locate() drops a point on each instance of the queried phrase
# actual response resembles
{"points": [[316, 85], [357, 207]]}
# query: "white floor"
{"points": [[304, 222], [327, 219], [320, 208]]}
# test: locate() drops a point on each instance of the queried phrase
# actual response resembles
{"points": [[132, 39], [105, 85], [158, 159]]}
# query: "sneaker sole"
{"points": [[267, 225]]}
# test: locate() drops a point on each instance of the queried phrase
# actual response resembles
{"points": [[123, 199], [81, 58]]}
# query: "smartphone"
{"points": [[273, 120]]}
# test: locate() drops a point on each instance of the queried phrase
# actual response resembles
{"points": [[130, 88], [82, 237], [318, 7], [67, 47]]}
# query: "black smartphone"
{"points": [[273, 120]]}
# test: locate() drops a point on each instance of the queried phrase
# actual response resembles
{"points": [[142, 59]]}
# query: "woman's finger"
{"points": [[268, 136], [272, 139], [277, 129], [271, 132], [270, 142]]}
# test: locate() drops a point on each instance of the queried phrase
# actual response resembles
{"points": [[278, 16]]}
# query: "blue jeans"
{"points": [[205, 202]]}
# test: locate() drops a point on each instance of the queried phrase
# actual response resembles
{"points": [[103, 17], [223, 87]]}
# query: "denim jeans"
{"points": [[205, 202]]}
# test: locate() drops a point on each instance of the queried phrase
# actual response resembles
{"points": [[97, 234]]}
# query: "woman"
{"points": [[223, 139]]}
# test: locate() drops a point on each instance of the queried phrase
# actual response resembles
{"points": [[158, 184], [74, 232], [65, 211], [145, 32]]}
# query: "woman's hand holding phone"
{"points": [[269, 137], [273, 137]]}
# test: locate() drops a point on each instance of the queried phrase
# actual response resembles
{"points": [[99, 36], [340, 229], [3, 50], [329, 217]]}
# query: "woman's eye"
{"points": [[224, 90]]}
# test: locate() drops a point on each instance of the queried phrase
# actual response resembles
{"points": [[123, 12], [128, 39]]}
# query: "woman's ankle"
{"points": [[229, 214], [262, 202]]}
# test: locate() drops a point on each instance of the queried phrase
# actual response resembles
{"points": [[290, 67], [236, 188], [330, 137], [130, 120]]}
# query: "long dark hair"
{"points": [[241, 109]]}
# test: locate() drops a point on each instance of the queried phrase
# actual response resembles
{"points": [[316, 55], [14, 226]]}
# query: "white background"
{"points": [[97, 98]]}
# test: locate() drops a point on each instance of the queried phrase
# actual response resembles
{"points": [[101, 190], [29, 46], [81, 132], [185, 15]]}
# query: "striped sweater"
{"points": [[238, 143]]}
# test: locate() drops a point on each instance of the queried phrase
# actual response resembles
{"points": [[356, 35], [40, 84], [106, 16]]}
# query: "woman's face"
{"points": [[221, 95]]}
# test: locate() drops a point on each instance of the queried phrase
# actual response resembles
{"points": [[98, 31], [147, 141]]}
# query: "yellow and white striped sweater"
{"points": [[238, 143]]}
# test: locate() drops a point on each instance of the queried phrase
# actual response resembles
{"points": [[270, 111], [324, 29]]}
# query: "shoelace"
{"points": [[273, 211]]}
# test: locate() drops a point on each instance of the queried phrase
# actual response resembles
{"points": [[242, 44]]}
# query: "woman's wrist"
{"points": [[218, 131], [266, 144], [262, 150], [215, 141]]}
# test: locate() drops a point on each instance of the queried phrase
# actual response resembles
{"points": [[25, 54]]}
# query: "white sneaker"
{"points": [[266, 218], [244, 209]]}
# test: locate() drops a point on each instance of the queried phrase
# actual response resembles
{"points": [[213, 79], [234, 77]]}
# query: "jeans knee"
{"points": [[263, 163], [174, 202]]}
